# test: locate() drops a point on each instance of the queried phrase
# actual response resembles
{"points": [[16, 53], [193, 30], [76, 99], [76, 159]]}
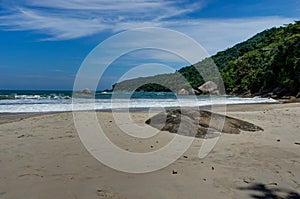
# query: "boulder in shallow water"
{"points": [[195, 123], [183, 92], [86, 91]]}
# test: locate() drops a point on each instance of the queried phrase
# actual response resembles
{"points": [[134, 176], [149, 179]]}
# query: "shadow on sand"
{"points": [[270, 192]]}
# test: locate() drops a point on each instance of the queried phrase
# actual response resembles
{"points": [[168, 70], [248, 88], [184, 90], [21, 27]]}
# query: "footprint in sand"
{"points": [[31, 175]]}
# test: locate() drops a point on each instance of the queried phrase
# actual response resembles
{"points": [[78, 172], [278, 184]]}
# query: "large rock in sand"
{"points": [[195, 123]]}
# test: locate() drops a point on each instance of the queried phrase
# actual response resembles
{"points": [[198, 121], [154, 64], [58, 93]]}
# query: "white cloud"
{"points": [[57, 27], [218, 34], [70, 19]]}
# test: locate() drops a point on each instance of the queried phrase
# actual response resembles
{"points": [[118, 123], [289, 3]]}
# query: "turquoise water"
{"points": [[52, 94], [27, 101]]}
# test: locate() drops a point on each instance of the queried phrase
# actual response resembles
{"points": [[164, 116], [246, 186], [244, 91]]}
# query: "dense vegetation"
{"points": [[271, 61], [158, 83], [268, 61]]}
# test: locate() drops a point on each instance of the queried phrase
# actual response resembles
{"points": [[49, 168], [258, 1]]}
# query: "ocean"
{"points": [[35, 101]]}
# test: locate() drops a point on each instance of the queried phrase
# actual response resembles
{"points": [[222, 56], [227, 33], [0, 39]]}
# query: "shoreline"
{"points": [[229, 107], [15, 117], [141, 109]]}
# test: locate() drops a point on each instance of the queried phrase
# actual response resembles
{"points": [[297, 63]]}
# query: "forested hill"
{"points": [[268, 62]]}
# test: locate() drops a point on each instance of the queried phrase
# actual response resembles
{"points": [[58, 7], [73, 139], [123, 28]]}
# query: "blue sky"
{"points": [[43, 43]]}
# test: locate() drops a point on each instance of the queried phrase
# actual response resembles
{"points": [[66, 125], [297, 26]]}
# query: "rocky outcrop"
{"points": [[209, 87], [280, 93], [188, 92], [290, 99], [183, 92], [195, 123], [86, 91]]}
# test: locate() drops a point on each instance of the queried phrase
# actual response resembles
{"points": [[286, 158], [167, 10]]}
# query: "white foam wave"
{"points": [[40, 106]]}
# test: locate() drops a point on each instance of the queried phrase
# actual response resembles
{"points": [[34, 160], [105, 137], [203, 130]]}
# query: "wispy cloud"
{"points": [[56, 26], [70, 19], [218, 34]]}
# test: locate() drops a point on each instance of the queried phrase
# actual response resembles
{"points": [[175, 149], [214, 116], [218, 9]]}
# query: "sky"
{"points": [[44, 43]]}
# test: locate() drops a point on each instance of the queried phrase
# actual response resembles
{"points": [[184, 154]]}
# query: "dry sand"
{"points": [[43, 157]]}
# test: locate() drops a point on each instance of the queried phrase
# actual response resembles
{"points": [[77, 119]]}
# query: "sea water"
{"points": [[15, 101]]}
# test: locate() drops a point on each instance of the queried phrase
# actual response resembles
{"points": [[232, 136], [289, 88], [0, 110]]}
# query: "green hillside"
{"points": [[267, 62]]}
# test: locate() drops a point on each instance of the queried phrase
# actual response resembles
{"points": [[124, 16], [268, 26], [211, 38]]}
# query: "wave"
{"points": [[39, 105]]}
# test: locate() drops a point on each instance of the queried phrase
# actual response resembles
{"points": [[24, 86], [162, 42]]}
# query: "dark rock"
{"points": [[267, 95], [280, 92], [247, 94], [196, 92], [195, 123], [265, 92]]}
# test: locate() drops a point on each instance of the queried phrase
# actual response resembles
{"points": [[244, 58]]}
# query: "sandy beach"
{"points": [[41, 156]]}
